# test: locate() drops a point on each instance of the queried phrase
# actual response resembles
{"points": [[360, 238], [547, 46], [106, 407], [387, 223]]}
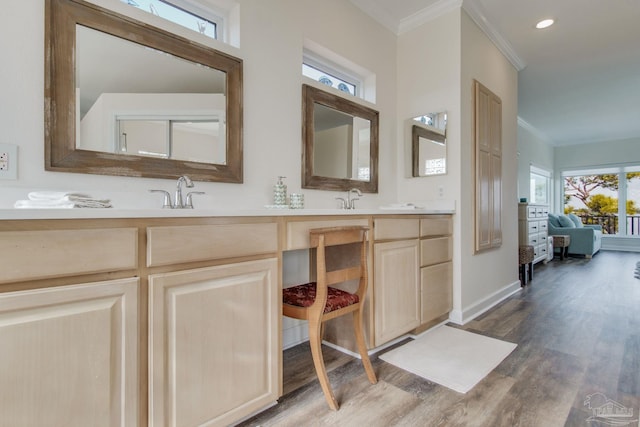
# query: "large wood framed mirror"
{"points": [[339, 143], [126, 98]]}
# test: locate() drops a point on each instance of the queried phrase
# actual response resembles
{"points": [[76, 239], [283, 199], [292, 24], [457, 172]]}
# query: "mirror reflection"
{"points": [[428, 142], [340, 143], [174, 112]]}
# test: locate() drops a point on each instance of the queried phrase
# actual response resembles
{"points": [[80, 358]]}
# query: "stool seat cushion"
{"points": [[305, 295], [525, 254]]}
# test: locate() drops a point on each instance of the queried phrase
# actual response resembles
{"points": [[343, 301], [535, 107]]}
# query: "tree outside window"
{"points": [[595, 198]]}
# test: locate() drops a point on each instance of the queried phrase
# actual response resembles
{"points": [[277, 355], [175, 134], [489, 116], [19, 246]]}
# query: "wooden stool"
{"points": [[525, 257], [562, 241], [317, 302]]}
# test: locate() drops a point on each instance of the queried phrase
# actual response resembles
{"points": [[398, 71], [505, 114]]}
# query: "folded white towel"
{"points": [[43, 204], [61, 199], [55, 195]]}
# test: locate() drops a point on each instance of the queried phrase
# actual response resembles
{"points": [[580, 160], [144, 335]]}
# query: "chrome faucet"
{"points": [[178, 203], [178, 199], [351, 201]]}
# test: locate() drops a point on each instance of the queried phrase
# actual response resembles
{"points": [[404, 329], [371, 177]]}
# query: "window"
{"points": [[324, 66], [183, 13], [540, 189], [328, 79], [609, 197]]}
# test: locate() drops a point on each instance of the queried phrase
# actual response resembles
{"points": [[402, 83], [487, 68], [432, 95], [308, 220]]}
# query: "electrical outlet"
{"points": [[4, 161], [8, 161]]}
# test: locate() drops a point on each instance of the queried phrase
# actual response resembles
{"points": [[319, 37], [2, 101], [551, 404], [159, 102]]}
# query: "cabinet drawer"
{"points": [[542, 250], [436, 226], [396, 228], [436, 291], [191, 243], [534, 227], [434, 251], [40, 254], [543, 226], [534, 240]]}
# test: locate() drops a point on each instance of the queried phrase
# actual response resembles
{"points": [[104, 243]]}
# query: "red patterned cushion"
{"points": [[305, 295]]}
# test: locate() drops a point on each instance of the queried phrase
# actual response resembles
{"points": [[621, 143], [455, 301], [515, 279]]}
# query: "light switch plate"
{"points": [[8, 161]]}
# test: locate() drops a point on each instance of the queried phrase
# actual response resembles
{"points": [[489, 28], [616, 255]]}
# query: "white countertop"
{"points": [[13, 214]]}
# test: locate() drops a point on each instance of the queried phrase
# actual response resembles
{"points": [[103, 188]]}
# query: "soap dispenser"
{"points": [[280, 192]]}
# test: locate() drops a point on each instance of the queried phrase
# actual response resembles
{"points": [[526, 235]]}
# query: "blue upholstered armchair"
{"points": [[585, 239]]}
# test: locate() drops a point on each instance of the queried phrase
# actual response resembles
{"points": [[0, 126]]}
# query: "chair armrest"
{"points": [[594, 226]]}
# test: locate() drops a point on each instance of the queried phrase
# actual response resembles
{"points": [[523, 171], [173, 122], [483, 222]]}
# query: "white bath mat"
{"points": [[451, 357]]}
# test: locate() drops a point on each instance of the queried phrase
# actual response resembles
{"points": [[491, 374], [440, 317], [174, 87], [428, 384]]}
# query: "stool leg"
{"points": [[530, 271], [561, 254], [523, 274]]}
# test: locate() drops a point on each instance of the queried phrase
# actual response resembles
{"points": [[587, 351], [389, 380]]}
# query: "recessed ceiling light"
{"points": [[544, 23]]}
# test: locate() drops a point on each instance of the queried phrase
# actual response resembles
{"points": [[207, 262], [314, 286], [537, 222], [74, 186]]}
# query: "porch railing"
{"points": [[610, 223]]}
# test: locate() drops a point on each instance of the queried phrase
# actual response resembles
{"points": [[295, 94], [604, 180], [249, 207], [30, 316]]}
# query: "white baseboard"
{"points": [[461, 317]]}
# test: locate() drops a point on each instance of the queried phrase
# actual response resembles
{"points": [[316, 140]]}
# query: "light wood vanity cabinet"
{"points": [[177, 321], [436, 270], [413, 275], [396, 280], [213, 332], [213, 343], [135, 322], [69, 353]]}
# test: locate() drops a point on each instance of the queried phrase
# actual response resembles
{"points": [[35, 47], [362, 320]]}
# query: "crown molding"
{"points": [[535, 131], [377, 13], [475, 11], [427, 14]]}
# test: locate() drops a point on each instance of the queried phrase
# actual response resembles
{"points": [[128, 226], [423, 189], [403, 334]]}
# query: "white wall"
{"points": [[272, 35], [620, 152], [428, 82], [490, 275], [437, 63], [532, 150]]}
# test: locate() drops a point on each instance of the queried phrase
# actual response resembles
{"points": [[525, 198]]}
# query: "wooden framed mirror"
{"points": [[339, 143], [186, 103], [429, 144]]}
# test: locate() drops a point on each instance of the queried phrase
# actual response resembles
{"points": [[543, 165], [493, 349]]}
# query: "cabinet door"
{"points": [[396, 289], [69, 355], [437, 291], [214, 348]]}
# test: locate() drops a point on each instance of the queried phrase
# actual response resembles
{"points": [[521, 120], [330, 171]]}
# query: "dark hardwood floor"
{"points": [[577, 326]]}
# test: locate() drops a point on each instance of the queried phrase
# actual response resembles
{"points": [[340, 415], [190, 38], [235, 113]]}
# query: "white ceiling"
{"points": [[579, 80]]}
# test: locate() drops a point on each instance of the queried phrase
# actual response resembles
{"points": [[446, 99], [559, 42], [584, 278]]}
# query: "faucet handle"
{"points": [[188, 204], [343, 202], [167, 198]]}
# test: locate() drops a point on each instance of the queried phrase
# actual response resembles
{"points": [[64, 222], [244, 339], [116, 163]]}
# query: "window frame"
{"points": [[545, 174], [334, 70]]}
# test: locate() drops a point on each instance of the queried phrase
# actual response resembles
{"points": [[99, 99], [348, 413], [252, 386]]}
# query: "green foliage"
{"points": [[601, 205], [581, 188]]}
